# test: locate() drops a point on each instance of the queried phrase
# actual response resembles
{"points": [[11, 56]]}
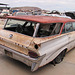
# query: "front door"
{"points": [[71, 34]]}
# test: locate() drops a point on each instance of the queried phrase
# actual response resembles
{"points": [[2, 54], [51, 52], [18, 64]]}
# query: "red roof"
{"points": [[42, 19]]}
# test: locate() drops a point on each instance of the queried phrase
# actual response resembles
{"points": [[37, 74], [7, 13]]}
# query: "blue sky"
{"points": [[60, 5]]}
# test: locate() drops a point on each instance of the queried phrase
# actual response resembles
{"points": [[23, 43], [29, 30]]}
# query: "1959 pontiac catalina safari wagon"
{"points": [[37, 40]]}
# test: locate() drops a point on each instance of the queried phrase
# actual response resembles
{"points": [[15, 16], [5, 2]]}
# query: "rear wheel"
{"points": [[60, 57]]}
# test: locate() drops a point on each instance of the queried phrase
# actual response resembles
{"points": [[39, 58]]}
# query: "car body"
{"points": [[37, 40]]}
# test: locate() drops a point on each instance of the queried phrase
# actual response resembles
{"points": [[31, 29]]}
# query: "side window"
{"points": [[67, 28], [73, 26], [49, 29]]}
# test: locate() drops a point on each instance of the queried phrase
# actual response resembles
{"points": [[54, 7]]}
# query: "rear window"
{"points": [[19, 26]]}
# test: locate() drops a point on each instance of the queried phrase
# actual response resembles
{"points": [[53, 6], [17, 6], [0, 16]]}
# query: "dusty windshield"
{"points": [[20, 26]]}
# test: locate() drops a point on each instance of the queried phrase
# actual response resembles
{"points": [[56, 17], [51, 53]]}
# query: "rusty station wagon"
{"points": [[37, 40]]}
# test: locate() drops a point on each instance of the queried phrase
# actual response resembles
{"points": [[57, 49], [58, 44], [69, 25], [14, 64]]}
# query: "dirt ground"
{"points": [[9, 66]]}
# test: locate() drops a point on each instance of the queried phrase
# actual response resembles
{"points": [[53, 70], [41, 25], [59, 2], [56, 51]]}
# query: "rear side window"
{"points": [[20, 26], [49, 29]]}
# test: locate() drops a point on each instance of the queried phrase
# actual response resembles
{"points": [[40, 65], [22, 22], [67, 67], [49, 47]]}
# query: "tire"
{"points": [[60, 57]]}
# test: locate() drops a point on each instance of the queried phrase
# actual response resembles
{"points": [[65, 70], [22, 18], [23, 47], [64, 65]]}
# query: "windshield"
{"points": [[20, 26]]}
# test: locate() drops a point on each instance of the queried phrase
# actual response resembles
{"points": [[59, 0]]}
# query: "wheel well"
{"points": [[65, 50], [58, 55]]}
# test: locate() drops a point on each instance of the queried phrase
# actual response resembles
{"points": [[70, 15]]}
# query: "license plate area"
{"points": [[8, 53]]}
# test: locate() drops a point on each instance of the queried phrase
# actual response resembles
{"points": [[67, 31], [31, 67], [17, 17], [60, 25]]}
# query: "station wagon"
{"points": [[37, 40]]}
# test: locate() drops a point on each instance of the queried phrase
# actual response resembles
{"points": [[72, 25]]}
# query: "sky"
{"points": [[60, 5]]}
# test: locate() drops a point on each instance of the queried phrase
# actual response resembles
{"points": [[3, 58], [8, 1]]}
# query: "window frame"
{"points": [[65, 28]]}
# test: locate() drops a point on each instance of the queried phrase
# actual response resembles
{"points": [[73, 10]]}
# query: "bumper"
{"points": [[33, 62]]}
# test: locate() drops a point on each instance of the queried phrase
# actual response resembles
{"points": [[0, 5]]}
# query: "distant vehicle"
{"points": [[70, 14], [56, 15], [37, 40], [64, 16], [29, 13], [37, 13], [20, 13], [4, 13]]}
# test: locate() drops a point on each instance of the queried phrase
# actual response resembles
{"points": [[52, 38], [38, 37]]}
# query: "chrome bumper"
{"points": [[33, 62]]}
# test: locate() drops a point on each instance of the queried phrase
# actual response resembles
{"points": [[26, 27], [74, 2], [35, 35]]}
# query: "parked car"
{"points": [[70, 14], [20, 13], [37, 40], [5, 13], [56, 15]]}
